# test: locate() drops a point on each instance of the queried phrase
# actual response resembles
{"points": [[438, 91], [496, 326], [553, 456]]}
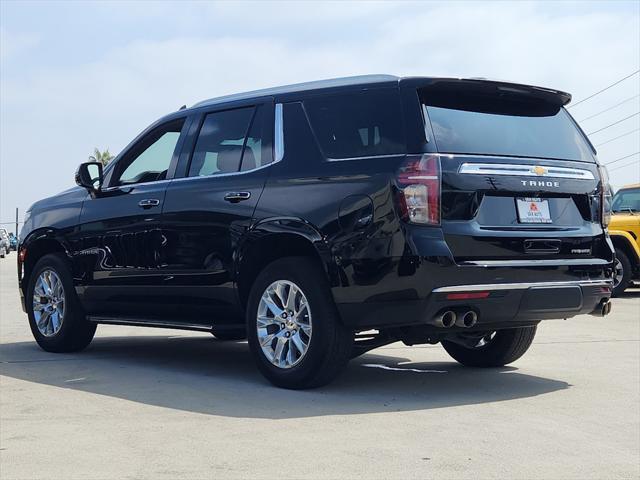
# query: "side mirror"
{"points": [[89, 176]]}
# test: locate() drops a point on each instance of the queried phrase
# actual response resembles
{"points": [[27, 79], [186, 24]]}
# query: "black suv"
{"points": [[325, 219]]}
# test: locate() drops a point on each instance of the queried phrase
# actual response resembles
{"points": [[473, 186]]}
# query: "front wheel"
{"points": [[56, 318], [494, 349], [293, 328]]}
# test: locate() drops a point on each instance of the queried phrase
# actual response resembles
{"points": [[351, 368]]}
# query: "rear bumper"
{"points": [[504, 304]]}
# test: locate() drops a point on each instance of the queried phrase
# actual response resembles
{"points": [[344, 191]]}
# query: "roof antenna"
{"points": [[182, 107]]}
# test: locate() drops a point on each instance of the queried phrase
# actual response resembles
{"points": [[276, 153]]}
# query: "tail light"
{"points": [[605, 196], [419, 190]]}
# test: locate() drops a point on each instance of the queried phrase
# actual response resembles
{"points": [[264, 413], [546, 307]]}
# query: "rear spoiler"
{"points": [[547, 94], [491, 96]]}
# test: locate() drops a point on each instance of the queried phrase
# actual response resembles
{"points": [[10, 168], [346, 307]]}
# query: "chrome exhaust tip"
{"points": [[467, 320], [446, 319], [603, 309]]}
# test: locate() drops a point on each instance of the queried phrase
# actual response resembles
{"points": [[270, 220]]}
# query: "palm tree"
{"points": [[102, 157]]}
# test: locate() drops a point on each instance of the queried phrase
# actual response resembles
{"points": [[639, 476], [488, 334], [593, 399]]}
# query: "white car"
{"points": [[4, 243]]}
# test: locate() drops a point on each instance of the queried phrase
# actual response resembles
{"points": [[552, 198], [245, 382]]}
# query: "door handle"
{"points": [[235, 197], [148, 203]]}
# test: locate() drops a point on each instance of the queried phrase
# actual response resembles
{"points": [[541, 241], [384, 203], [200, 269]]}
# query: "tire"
{"points": [[74, 332], [328, 345], [229, 334], [2, 252], [622, 262], [505, 347]]}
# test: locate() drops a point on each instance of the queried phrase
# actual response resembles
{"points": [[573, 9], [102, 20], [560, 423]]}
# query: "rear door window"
{"points": [[255, 154], [220, 142], [231, 141], [364, 124]]}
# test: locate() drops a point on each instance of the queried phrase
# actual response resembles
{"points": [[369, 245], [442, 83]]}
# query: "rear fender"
{"points": [[275, 238]]}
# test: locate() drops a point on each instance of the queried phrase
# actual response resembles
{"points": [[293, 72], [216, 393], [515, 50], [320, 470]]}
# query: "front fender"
{"points": [[37, 243], [44, 234]]}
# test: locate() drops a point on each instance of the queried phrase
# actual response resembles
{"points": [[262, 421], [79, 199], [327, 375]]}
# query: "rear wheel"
{"points": [[621, 274], [56, 318], [494, 349], [293, 328]]}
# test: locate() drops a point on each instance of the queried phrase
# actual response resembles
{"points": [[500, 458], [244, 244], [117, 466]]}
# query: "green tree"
{"points": [[102, 157]]}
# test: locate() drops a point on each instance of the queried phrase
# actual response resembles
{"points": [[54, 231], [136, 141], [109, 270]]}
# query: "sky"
{"points": [[79, 75]]}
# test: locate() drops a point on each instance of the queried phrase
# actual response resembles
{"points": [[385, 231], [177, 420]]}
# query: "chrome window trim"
{"points": [[131, 185], [524, 171], [179, 179], [278, 140], [222, 175], [522, 286], [277, 157]]}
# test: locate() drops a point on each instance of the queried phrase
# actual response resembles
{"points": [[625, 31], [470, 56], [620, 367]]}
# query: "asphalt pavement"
{"points": [[164, 404]]}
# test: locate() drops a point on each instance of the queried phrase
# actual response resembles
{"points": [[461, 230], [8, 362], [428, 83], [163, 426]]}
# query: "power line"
{"points": [[604, 89], [619, 136], [621, 158], [625, 165], [610, 108], [614, 123]]}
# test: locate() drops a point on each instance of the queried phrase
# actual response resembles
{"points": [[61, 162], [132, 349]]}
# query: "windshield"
{"points": [[627, 200]]}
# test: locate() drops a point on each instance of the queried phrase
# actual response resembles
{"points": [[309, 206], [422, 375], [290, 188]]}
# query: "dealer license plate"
{"points": [[533, 210]]}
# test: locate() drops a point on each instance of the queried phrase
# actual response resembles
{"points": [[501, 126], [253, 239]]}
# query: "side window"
{"points": [[151, 157], [220, 143], [253, 156], [362, 124]]}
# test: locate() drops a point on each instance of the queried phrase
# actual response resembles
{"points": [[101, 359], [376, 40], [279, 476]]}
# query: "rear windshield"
{"points": [[363, 124], [492, 127]]}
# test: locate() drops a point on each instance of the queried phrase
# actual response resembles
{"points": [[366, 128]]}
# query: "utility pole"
{"points": [[16, 232]]}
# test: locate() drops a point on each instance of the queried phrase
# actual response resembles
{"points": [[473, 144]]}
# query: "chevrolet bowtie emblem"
{"points": [[538, 170]]}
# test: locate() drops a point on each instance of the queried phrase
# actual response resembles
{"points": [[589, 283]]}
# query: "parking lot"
{"points": [[150, 403]]}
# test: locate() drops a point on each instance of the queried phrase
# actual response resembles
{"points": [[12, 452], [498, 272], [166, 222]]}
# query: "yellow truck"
{"points": [[624, 230]]}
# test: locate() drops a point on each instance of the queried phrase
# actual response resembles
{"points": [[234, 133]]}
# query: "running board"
{"points": [[144, 322]]}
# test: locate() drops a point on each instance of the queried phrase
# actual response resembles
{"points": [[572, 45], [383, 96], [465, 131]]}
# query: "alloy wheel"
{"points": [[48, 303], [284, 324]]}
